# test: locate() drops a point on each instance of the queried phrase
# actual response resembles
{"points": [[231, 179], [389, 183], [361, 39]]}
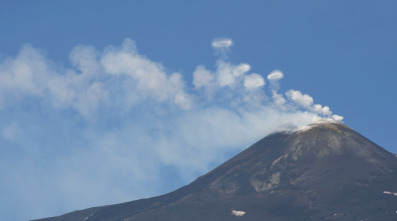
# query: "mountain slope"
{"points": [[325, 171]]}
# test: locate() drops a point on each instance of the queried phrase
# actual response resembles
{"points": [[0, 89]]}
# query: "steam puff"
{"points": [[306, 101], [318, 108], [337, 117], [278, 99], [228, 74], [222, 43], [253, 81], [202, 77], [275, 75], [297, 97], [150, 77]]}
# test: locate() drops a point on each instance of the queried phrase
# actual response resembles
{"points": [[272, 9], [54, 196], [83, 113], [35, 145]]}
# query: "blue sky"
{"points": [[104, 102]]}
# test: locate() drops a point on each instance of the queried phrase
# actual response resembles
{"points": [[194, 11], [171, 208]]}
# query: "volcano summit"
{"points": [[324, 171]]}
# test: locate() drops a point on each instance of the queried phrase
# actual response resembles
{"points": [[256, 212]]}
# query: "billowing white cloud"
{"points": [[24, 74], [150, 77], [318, 108], [227, 74], [95, 79], [303, 100], [278, 99], [306, 101], [183, 100], [253, 81], [202, 77], [337, 117], [116, 115]]}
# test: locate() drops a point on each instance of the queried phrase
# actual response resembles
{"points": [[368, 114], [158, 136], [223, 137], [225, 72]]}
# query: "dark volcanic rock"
{"points": [[325, 171]]}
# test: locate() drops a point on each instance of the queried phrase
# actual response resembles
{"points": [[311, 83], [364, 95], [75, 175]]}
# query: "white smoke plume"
{"points": [[306, 101], [253, 81], [114, 123]]}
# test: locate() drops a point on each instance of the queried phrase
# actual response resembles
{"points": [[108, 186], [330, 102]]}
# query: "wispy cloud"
{"points": [[110, 125]]}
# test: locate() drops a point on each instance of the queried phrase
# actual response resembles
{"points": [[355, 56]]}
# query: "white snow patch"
{"points": [[317, 122], [390, 193], [238, 213], [89, 216]]}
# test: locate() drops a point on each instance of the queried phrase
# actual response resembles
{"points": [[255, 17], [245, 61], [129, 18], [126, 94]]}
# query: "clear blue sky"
{"points": [[109, 101]]}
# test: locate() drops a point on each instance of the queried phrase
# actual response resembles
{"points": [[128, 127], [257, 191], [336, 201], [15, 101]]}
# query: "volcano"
{"points": [[324, 171]]}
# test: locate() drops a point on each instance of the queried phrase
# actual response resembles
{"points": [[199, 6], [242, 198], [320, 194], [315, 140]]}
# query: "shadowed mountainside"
{"points": [[324, 171]]}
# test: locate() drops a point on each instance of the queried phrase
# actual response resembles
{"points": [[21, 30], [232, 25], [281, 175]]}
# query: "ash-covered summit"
{"points": [[324, 171]]}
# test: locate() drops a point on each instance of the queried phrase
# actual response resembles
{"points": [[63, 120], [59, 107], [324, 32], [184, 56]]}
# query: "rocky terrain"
{"points": [[324, 171]]}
